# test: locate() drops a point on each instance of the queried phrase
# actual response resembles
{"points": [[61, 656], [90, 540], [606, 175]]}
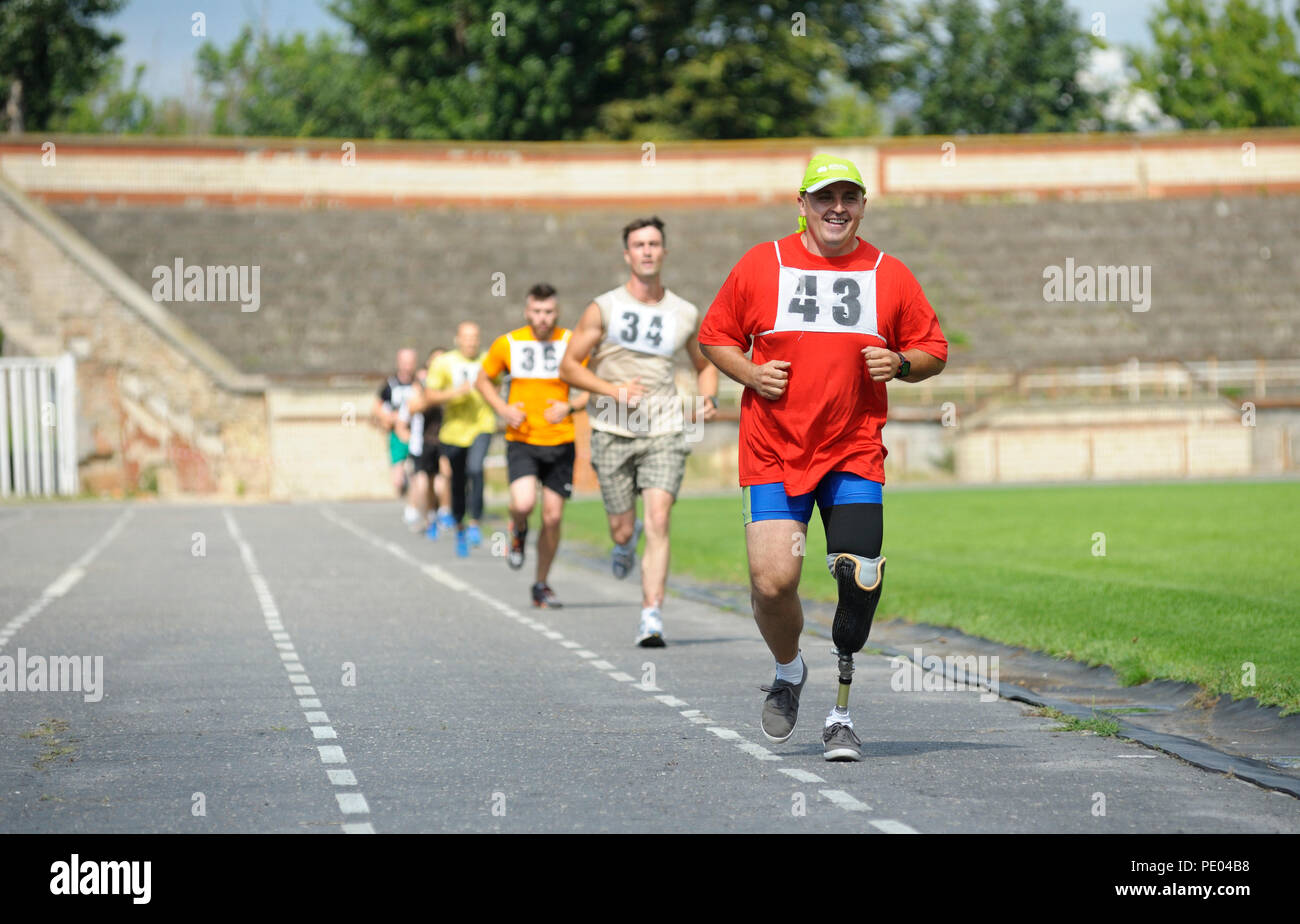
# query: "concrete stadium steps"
{"points": [[340, 290]]}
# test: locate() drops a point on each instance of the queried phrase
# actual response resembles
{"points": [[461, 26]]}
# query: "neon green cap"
{"points": [[825, 169]]}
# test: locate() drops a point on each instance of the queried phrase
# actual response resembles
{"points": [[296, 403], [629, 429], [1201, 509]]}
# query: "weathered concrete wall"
{"points": [[1102, 443], [363, 172], [158, 408]]}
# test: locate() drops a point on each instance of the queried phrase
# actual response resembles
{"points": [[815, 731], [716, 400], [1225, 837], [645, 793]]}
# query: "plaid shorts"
{"points": [[626, 465]]}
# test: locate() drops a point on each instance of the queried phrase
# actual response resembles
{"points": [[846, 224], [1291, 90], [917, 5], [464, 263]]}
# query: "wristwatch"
{"points": [[712, 399], [904, 367]]}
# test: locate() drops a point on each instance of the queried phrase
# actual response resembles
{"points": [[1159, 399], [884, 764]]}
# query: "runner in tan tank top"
{"points": [[638, 443]]}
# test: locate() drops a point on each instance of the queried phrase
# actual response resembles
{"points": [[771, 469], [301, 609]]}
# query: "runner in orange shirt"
{"points": [[539, 435]]}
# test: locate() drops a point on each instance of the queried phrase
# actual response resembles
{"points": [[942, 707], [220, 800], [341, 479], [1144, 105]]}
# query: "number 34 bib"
{"points": [[826, 301]]}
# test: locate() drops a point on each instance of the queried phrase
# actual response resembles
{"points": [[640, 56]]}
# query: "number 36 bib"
{"points": [[827, 301], [532, 360]]}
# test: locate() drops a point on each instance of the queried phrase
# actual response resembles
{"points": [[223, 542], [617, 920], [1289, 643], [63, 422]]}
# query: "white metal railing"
{"points": [[38, 426]]}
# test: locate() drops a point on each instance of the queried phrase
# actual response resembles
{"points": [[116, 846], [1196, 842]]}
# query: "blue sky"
{"points": [[157, 33]]}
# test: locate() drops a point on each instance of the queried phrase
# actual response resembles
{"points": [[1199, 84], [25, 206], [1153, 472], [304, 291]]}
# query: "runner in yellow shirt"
{"points": [[539, 435], [467, 427]]}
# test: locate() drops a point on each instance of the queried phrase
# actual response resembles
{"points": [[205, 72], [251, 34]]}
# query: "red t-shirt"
{"points": [[818, 313]]}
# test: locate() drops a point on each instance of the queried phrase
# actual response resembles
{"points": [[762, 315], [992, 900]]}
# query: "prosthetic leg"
{"points": [[860, 581]]}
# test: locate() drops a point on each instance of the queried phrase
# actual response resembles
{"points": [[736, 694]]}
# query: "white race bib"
{"points": [[532, 360], [464, 374], [644, 330], [829, 301]]}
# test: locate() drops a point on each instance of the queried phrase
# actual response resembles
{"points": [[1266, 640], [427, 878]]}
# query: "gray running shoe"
{"points": [[624, 556], [841, 743], [781, 708]]}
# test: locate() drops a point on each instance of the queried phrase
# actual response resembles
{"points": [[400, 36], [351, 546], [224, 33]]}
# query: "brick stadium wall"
{"points": [[371, 173], [156, 405]]}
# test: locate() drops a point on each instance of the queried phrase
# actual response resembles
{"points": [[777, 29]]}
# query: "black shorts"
{"points": [[553, 465], [427, 461]]}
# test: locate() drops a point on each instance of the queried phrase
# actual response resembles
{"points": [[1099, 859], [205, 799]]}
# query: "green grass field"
{"points": [[1196, 580]]}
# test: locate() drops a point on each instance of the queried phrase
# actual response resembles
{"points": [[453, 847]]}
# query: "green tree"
{"points": [[1013, 71], [295, 87], [1237, 66], [737, 71], [51, 53]]}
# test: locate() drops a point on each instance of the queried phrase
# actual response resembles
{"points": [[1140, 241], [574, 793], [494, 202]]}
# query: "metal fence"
{"points": [[38, 426]]}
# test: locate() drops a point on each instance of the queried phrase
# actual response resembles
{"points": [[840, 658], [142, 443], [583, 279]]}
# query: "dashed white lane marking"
{"points": [[60, 586], [1137, 756], [889, 826], [350, 803], [838, 797], [308, 702], [844, 800], [803, 776]]}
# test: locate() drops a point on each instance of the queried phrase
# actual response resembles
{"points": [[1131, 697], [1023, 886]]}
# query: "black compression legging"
{"points": [[855, 528], [467, 477]]}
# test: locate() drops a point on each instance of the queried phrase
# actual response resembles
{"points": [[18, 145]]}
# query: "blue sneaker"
{"points": [[432, 531], [462, 544], [475, 537], [446, 522]]}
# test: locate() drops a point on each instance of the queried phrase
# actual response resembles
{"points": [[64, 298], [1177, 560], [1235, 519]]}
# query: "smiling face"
{"points": [[833, 214], [645, 252]]}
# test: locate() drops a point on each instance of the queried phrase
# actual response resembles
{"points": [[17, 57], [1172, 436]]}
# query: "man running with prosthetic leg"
{"points": [[830, 319]]}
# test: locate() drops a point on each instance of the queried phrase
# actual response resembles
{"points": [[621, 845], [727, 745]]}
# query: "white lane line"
{"points": [[60, 586], [350, 803], [695, 716], [756, 750], [889, 826], [844, 800], [803, 776], [1137, 756], [331, 754], [309, 702]]}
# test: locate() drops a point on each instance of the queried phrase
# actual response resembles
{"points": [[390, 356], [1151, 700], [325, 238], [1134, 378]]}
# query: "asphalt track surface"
{"points": [[320, 669]]}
